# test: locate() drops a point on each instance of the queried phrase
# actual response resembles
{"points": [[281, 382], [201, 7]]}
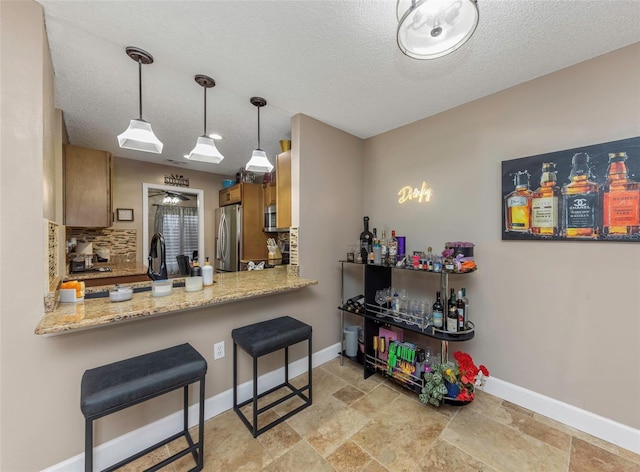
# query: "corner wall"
{"points": [[40, 387], [559, 318]]}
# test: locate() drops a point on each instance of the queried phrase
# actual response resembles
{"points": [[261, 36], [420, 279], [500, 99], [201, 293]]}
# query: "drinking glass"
{"points": [[381, 299]]}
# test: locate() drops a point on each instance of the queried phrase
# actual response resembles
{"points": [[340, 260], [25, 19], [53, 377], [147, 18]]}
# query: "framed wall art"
{"points": [[590, 193], [124, 214]]}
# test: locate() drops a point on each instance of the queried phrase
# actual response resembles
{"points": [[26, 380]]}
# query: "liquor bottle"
{"points": [[437, 312], [545, 203], [517, 204], [461, 312], [452, 313], [620, 199], [429, 259], [392, 248], [580, 201], [466, 307], [383, 247], [366, 239]]}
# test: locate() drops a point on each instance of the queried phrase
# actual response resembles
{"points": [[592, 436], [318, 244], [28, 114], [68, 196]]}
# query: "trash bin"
{"points": [[351, 340]]}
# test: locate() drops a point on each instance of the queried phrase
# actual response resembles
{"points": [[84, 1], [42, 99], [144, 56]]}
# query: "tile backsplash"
{"points": [[121, 243]]}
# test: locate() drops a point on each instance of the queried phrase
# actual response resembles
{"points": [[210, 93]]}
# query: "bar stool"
{"points": [[258, 340], [122, 384]]}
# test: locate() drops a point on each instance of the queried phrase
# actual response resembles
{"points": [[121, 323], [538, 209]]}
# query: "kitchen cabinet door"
{"points": [[283, 190], [87, 187]]}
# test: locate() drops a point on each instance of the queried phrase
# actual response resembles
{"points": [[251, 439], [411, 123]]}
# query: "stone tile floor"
{"points": [[373, 425]]}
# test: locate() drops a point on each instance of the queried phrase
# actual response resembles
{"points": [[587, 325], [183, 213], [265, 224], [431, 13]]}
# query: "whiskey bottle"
{"points": [[580, 201], [545, 202], [452, 313], [620, 199], [366, 240], [518, 204]]}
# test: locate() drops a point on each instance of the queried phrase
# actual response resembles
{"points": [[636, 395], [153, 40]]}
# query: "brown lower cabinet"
{"points": [[121, 279], [87, 187]]}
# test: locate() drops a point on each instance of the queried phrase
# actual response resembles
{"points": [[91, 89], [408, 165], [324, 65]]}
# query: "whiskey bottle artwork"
{"points": [[545, 203], [620, 199], [580, 201], [518, 204]]}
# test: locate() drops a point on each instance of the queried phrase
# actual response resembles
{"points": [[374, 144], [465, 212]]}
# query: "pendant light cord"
{"points": [[259, 129], [140, 86], [204, 132]]}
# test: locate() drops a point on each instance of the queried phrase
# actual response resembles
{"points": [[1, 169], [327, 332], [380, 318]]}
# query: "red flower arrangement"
{"points": [[470, 376]]}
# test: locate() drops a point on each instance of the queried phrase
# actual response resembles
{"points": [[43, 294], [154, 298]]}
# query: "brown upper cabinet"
{"points": [[230, 195], [283, 190], [269, 194], [87, 175]]}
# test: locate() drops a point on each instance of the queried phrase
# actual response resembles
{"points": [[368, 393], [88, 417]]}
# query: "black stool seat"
{"points": [[138, 378], [268, 336], [263, 338], [113, 387]]}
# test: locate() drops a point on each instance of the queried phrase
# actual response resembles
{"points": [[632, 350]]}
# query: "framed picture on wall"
{"points": [[590, 193], [124, 214]]}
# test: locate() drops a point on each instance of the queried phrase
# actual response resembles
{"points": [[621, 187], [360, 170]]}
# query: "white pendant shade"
{"points": [[434, 28], [139, 136], [259, 162], [205, 151]]}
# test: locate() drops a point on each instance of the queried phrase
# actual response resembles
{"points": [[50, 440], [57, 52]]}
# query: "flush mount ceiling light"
{"points": [[205, 150], [258, 161], [139, 135], [429, 29]]}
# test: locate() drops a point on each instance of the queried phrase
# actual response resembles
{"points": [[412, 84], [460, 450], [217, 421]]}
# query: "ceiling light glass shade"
{"points": [[429, 29], [139, 136], [205, 151], [259, 162]]}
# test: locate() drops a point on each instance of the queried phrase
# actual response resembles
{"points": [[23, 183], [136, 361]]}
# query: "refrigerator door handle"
{"points": [[219, 246]]}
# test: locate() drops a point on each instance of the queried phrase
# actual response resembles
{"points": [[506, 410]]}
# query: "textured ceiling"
{"points": [[336, 61]]}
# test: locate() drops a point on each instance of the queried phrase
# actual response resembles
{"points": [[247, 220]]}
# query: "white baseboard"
{"points": [[582, 420], [128, 444], [123, 446]]}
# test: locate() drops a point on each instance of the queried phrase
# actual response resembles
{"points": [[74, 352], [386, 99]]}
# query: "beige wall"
{"points": [[129, 175], [558, 318], [40, 384]]}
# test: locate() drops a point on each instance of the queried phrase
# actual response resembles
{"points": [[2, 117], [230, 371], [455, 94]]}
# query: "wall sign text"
{"points": [[419, 195]]}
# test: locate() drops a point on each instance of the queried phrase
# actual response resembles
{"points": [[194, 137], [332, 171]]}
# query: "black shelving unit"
{"points": [[377, 277]]}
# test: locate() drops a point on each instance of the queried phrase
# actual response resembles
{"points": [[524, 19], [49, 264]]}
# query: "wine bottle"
{"points": [[437, 312], [466, 307], [452, 313], [393, 248], [461, 312], [366, 240], [383, 248]]}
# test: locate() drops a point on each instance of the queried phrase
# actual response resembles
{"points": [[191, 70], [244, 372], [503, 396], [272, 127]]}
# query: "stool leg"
{"points": [[310, 374], [185, 408], [201, 427], [255, 397], [235, 375], [286, 364], [88, 445]]}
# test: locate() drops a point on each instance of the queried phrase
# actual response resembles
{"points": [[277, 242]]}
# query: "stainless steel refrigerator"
{"points": [[228, 238]]}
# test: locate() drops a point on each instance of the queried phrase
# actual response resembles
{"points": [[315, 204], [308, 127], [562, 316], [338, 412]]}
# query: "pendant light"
{"points": [[139, 135], [258, 161], [205, 150], [429, 29]]}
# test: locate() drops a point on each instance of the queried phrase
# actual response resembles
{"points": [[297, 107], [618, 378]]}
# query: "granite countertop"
{"points": [[117, 270], [229, 287]]}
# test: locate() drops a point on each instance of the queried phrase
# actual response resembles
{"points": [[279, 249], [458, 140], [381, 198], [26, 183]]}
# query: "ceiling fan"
{"points": [[174, 195]]}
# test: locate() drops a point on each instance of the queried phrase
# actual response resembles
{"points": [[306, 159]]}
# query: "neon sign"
{"points": [[419, 194]]}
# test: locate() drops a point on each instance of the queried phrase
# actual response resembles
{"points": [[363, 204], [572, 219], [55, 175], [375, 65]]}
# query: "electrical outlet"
{"points": [[218, 350]]}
